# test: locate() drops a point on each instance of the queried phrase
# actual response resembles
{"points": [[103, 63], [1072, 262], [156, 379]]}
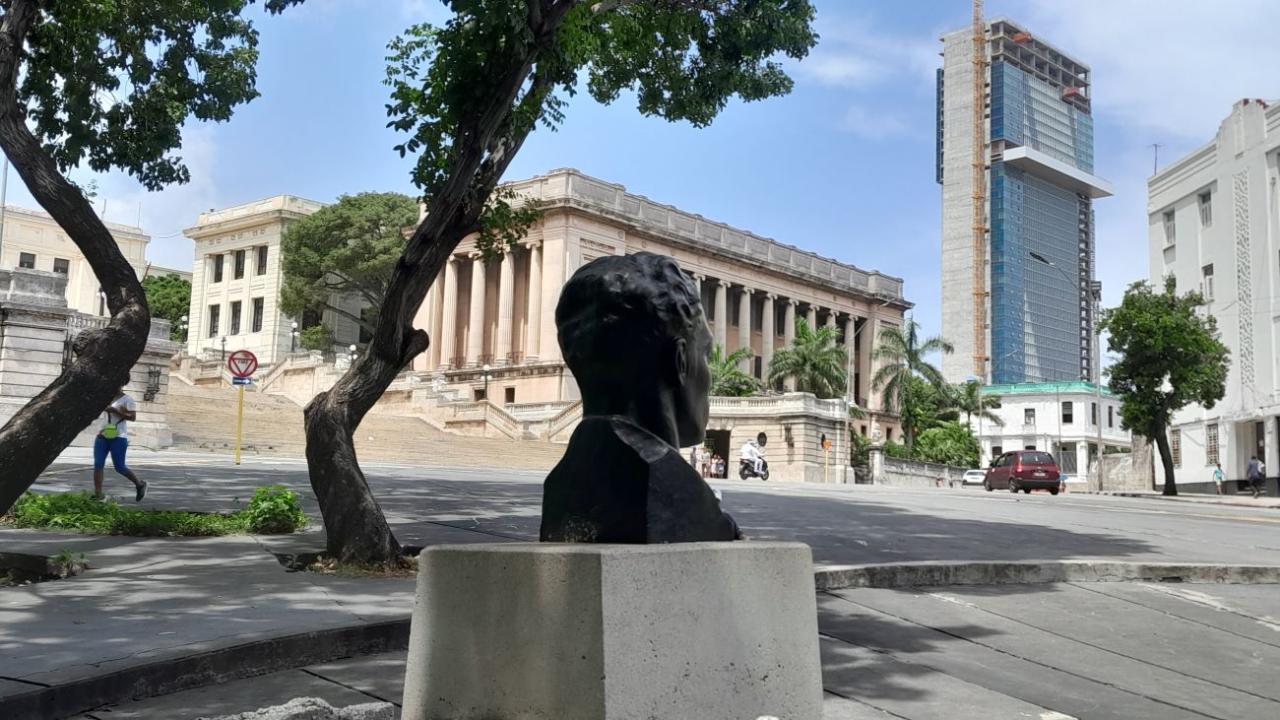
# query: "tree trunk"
{"points": [[356, 529], [1166, 458], [35, 436]]}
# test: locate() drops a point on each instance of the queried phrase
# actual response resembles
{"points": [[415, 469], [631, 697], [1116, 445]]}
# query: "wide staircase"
{"points": [[204, 418]]}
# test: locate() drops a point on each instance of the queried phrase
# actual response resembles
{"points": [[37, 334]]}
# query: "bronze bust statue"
{"points": [[632, 331]]}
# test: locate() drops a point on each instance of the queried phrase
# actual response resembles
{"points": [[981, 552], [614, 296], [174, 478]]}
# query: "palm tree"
{"points": [[970, 401], [813, 361], [728, 379], [902, 354]]}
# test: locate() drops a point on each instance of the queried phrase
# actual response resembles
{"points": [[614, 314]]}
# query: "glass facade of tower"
{"points": [[1036, 310]]}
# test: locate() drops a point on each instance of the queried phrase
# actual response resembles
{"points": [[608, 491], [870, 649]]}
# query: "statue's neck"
{"points": [[655, 413]]}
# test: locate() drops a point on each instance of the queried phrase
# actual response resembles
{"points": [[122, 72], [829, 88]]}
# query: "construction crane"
{"points": [[979, 194]]}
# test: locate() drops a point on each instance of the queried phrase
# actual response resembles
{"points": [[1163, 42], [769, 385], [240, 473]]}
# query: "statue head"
{"points": [[633, 333]]}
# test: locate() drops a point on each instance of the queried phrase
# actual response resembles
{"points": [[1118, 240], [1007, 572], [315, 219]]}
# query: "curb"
{"points": [[900, 575], [1269, 502], [274, 654], [235, 662]]}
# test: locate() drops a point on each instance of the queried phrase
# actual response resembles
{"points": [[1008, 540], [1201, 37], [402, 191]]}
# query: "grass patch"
{"points": [[272, 510], [400, 567]]}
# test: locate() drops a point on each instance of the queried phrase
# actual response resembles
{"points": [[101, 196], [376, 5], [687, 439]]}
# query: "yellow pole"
{"points": [[239, 423]]}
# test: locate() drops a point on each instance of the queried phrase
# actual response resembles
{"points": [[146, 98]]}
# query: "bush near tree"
{"points": [[814, 362], [316, 337], [910, 383], [728, 379], [169, 298]]}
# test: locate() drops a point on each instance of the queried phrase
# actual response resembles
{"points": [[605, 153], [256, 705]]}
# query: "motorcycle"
{"points": [[747, 470]]}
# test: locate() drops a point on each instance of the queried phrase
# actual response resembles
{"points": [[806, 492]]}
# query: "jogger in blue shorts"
{"points": [[113, 440]]}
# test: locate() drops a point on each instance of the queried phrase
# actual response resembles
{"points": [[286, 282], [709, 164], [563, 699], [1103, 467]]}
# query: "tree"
{"points": [[468, 94], [102, 85], [950, 443], [316, 337], [970, 400], [902, 354], [346, 249], [813, 361], [1170, 357], [728, 379], [169, 298]]}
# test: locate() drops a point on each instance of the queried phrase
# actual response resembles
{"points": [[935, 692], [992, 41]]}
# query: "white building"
{"points": [[236, 279], [1058, 418], [1214, 225], [33, 240]]}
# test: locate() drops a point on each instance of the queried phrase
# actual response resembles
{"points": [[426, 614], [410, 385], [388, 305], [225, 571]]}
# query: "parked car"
{"points": [[974, 477], [1024, 470]]}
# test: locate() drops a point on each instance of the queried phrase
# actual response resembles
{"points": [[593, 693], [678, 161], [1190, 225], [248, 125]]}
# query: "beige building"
{"points": [[33, 241], [501, 313], [236, 279]]}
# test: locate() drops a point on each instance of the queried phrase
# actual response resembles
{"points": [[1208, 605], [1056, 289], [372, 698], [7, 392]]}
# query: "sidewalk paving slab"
{"points": [[1239, 500]]}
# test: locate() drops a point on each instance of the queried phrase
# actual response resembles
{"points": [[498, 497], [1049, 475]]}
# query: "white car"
{"points": [[974, 477]]}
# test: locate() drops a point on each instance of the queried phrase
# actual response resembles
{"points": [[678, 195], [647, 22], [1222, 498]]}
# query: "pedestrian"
{"points": [[1255, 474], [113, 440], [1218, 477]]}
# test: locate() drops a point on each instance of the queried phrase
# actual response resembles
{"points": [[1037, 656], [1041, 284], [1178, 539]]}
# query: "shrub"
{"points": [[316, 337], [274, 510]]}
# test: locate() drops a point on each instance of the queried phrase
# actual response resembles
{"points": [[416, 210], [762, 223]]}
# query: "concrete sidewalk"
{"points": [[1231, 500]]}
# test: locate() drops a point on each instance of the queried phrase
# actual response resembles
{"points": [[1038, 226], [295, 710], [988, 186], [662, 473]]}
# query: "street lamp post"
{"points": [[354, 354], [224, 348], [293, 337], [1097, 360], [486, 377], [183, 325]]}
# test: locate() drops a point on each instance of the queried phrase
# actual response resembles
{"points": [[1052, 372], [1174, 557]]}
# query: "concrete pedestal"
{"points": [[589, 632]]}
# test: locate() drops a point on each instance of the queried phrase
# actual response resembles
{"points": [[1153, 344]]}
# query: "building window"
{"points": [[996, 452], [1093, 413], [480, 395], [261, 265], [1068, 413], [61, 265], [509, 396], [258, 309], [1029, 416], [1206, 210], [1111, 416], [217, 268], [1175, 447], [235, 317], [239, 269], [1207, 283], [27, 260], [1170, 229], [215, 311], [1211, 443]]}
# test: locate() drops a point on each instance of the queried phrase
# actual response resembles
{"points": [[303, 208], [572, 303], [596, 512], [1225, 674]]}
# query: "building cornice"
{"points": [[569, 188]]}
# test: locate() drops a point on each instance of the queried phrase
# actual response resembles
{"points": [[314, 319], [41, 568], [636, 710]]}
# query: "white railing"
{"points": [[787, 404], [536, 412]]}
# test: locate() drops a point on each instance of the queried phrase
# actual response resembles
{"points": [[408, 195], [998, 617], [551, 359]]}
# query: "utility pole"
{"points": [[1155, 157]]}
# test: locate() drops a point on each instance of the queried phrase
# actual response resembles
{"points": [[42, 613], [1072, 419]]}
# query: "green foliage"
{"points": [[859, 449], [68, 563], [347, 248], [316, 337], [902, 353], [813, 361], [1170, 357], [970, 400], [169, 297], [110, 83], [682, 61], [896, 450], [505, 219], [82, 512], [950, 443], [728, 379], [274, 510]]}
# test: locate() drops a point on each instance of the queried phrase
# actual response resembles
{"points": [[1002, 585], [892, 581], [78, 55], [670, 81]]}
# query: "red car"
{"points": [[1024, 470]]}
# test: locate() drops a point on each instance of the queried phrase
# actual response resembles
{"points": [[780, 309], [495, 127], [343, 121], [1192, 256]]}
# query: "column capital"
{"points": [[699, 277], [747, 291], [771, 296], [474, 255], [724, 283], [793, 302], [451, 259], [532, 244]]}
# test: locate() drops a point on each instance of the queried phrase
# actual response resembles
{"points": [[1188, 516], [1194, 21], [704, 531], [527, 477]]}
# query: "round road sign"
{"points": [[242, 363]]}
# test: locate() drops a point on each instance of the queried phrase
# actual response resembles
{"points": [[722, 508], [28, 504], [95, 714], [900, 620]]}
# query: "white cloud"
{"points": [[873, 125], [1173, 67], [853, 53]]}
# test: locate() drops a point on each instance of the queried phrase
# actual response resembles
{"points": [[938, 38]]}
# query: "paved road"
{"points": [[843, 524], [1080, 650]]}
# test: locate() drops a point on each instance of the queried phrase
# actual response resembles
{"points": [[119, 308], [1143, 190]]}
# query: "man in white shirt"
{"points": [[113, 440], [751, 452]]}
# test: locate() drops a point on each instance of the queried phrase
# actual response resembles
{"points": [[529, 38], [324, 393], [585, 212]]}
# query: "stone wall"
{"points": [[794, 424], [36, 329], [911, 473]]}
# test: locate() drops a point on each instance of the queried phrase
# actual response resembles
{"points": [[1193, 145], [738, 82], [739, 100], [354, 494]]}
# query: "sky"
{"points": [[843, 166]]}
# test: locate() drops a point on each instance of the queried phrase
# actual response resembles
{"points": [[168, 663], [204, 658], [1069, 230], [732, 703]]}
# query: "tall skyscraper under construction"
{"points": [[1017, 207]]}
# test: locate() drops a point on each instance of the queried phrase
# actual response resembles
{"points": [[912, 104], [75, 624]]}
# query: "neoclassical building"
{"points": [[500, 313]]}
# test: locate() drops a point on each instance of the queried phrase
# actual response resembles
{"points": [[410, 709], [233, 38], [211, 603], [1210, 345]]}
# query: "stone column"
{"points": [[437, 314], [766, 335], [697, 282], [812, 317], [534, 332], [722, 316], [789, 336], [448, 337], [475, 321], [744, 325], [831, 319], [850, 326], [506, 308]]}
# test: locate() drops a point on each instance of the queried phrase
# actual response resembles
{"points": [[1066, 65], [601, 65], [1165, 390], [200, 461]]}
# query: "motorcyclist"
{"points": [[752, 452]]}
